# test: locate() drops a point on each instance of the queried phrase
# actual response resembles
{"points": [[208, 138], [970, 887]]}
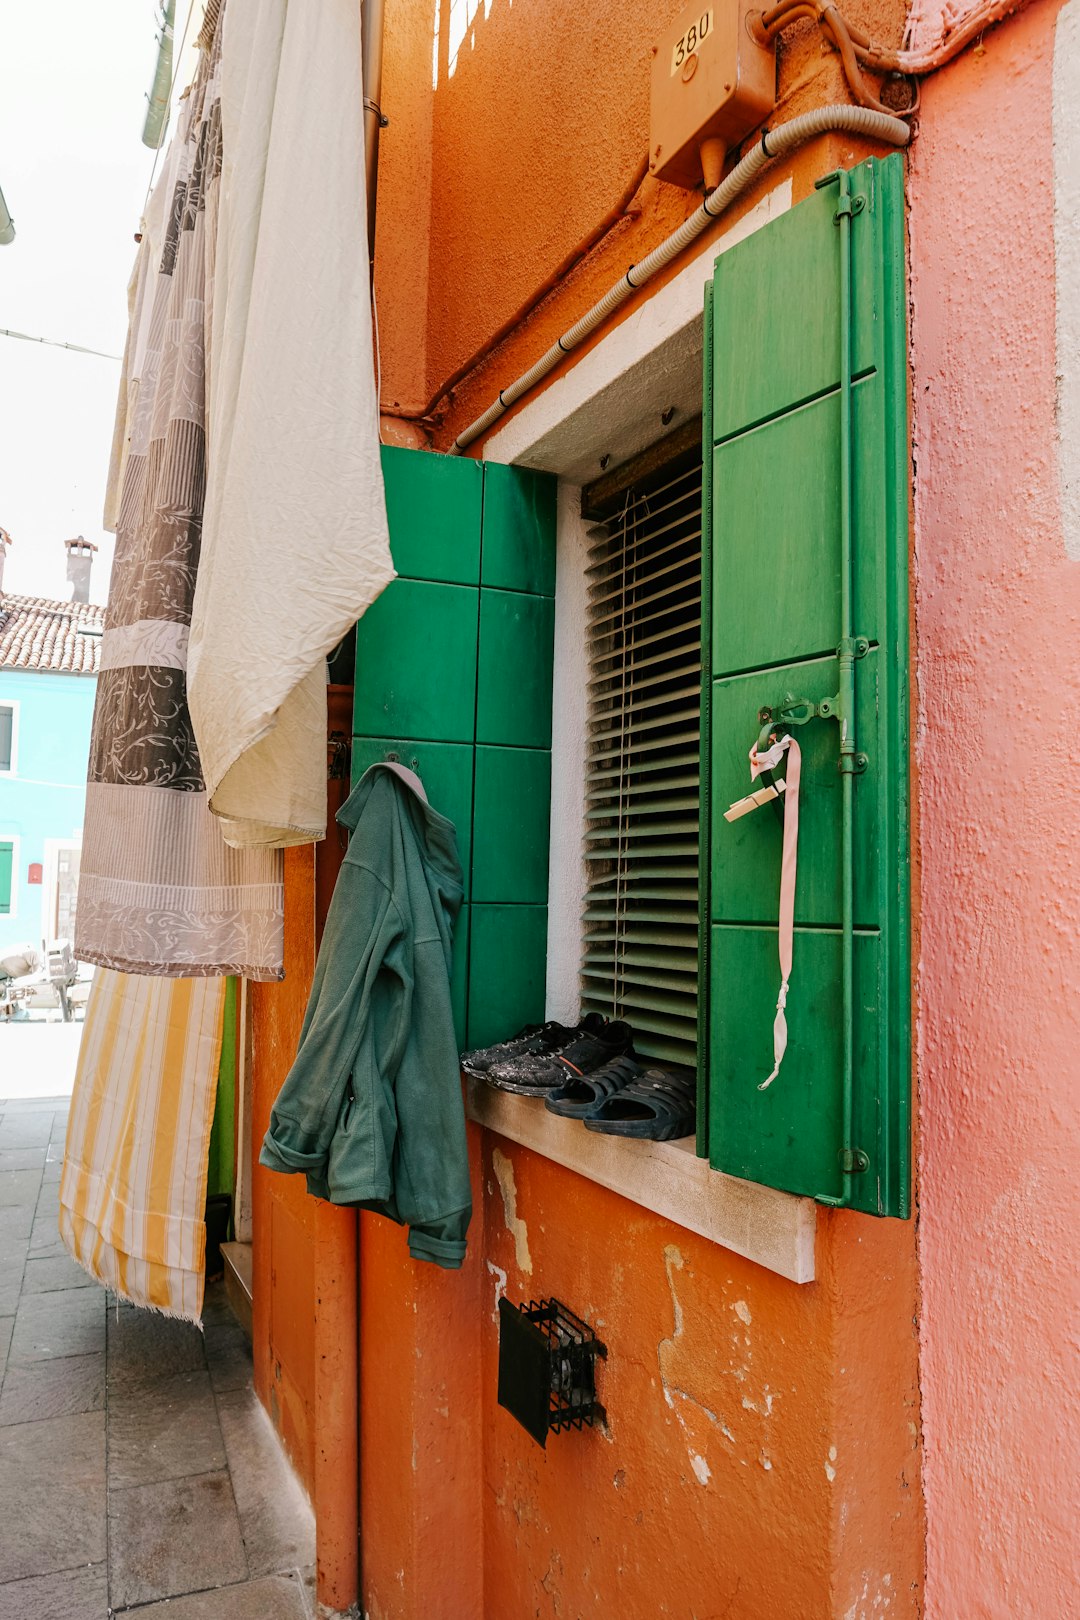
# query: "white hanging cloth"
{"points": [[295, 544]]}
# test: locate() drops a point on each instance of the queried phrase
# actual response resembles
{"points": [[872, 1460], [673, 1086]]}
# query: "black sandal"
{"points": [[658, 1106], [582, 1094]]}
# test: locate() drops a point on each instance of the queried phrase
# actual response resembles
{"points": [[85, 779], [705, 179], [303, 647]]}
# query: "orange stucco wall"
{"points": [[488, 181], [304, 1255], [761, 1451], [998, 609], [283, 1216]]}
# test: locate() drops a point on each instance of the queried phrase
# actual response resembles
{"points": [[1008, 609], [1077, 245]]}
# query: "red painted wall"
{"points": [[998, 609]]}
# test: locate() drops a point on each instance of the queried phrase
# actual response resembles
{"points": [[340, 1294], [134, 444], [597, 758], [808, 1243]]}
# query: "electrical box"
{"points": [[713, 82]]}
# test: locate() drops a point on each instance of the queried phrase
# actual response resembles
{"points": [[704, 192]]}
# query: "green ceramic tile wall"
{"points": [[446, 770], [434, 515], [507, 970], [513, 690], [457, 681], [510, 824], [416, 663], [519, 530]]}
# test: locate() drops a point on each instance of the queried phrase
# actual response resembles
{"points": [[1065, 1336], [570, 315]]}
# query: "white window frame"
{"points": [[50, 876], [610, 405], [13, 704]]}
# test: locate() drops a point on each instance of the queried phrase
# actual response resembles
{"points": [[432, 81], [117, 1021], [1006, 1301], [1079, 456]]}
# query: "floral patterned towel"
{"points": [[160, 892]]}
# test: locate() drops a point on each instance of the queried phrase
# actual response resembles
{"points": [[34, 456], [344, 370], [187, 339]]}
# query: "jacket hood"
{"points": [[437, 831]]}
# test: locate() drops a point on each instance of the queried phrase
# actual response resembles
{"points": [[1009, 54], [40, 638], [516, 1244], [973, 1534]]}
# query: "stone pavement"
{"points": [[138, 1472], [38, 1058]]}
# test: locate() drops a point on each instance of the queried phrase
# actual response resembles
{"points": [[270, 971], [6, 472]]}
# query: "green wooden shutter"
{"points": [[7, 856], [453, 676], [779, 419]]}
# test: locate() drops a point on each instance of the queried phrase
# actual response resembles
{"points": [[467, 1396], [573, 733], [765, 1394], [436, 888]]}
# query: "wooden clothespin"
{"points": [[762, 795]]}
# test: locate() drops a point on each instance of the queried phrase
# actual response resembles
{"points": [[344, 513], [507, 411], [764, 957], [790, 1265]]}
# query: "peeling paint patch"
{"points": [[742, 1311], [500, 1287], [673, 1261], [671, 1352], [866, 1607], [504, 1175]]}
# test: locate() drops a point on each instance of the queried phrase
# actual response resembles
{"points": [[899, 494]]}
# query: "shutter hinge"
{"points": [[853, 1161], [849, 204]]}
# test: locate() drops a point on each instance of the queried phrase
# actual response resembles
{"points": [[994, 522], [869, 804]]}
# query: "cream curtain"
{"points": [[295, 543]]}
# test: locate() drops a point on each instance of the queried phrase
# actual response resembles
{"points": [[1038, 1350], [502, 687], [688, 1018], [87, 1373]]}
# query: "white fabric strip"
{"points": [[158, 885], [768, 761], [154, 642]]}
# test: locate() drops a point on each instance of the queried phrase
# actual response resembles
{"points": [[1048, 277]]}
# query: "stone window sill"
{"points": [[774, 1229]]}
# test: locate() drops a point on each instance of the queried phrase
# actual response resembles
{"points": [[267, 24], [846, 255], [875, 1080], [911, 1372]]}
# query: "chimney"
{"points": [[80, 560], [5, 541]]}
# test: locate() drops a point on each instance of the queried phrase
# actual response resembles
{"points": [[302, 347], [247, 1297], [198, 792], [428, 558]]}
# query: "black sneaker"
{"points": [[534, 1073], [534, 1038]]}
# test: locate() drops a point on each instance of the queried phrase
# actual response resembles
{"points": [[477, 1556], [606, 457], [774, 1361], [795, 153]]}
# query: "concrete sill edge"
{"points": [[774, 1229]]}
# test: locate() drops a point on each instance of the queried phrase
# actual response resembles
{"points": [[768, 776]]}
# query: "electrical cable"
{"points": [[614, 216], [784, 138], [378, 355], [912, 63]]}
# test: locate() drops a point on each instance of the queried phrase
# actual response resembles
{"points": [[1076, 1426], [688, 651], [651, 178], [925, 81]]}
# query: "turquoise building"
{"points": [[49, 654]]}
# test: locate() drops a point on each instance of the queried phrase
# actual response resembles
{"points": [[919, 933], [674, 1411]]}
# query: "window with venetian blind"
{"points": [[640, 944]]}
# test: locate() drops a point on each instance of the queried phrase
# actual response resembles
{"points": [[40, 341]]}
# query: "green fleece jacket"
{"points": [[371, 1110]]}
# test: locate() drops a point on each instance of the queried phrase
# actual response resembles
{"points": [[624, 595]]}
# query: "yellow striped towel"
{"points": [[133, 1188]]}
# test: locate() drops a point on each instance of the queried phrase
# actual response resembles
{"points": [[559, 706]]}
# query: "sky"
{"points": [[74, 174]]}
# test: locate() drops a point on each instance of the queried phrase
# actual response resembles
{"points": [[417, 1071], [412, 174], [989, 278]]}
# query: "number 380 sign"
{"points": [[693, 39]]}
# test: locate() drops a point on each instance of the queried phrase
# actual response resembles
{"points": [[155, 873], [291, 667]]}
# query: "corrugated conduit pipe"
{"points": [[774, 144]]}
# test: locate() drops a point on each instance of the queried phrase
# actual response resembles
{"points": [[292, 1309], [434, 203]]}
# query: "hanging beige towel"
{"points": [[133, 1187], [294, 545]]}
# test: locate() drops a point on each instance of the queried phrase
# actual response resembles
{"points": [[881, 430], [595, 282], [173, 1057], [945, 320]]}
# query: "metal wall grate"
{"points": [[640, 948]]}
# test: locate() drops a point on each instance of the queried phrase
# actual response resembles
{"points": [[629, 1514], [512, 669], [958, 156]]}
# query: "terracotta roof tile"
{"points": [[36, 633]]}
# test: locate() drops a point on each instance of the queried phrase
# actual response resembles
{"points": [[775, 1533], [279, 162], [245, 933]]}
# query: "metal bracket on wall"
{"points": [[338, 757], [547, 1367]]}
